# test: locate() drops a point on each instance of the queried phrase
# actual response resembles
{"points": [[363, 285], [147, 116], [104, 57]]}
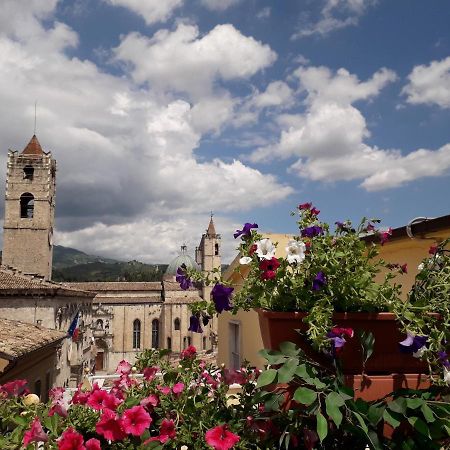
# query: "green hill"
{"points": [[70, 264]]}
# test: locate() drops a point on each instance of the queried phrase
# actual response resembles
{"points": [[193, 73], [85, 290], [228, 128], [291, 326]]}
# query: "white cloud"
{"points": [[218, 5], [328, 140], [151, 10], [264, 13], [277, 93], [184, 61], [126, 153], [429, 84], [334, 15]]}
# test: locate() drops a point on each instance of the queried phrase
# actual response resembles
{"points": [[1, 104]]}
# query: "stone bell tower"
{"points": [[207, 254], [29, 210]]}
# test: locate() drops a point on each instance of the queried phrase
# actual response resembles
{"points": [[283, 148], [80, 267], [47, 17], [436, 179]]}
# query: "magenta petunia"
{"points": [[150, 373], [178, 388], [123, 368], [14, 388], [167, 431], [220, 438], [71, 440], [100, 399], [35, 433], [93, 444], [136, 420], [110, 426]]}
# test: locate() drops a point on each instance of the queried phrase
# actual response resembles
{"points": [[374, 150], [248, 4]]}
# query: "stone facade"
{"points": [[29, 210]]}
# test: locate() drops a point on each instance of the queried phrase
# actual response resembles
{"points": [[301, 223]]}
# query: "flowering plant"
{"points": [[331, 269]]}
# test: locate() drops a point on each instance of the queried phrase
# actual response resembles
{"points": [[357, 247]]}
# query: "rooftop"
{"points": [[18, 338], [33, 148], [99, 286]]}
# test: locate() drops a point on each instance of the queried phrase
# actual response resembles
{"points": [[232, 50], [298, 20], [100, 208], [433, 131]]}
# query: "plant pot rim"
{"points": [[338, 316]]}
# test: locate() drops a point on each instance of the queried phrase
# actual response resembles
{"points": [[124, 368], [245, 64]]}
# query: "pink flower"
{"points": [[150, 373], [314, 211], [385, 235], [58, 408], [303, 206], [124, 367], [219, 438], [136, 420], [35, 433], [209, 379], [14, 388], [80, 397], [150, 401], [341, 331], [110, 426], [234, 376], [102, 400], [164, 389], [189, 352], [71, 440], [404, 268], [167, 431], [432, 250], [178, 388], [93, 444]]}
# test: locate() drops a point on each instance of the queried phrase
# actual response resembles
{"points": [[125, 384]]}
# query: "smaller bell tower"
{"points": [[208, 256], [29, 210]]}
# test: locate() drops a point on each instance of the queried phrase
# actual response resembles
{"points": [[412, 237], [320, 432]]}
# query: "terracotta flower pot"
{"points": [[386, 358]]}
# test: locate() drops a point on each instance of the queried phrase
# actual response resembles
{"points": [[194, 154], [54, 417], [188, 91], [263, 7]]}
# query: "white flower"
{"points": [[447, 375], [420, 267], [295, 251], [265, 249], [245, 260], [420, 352], [184, 447]]}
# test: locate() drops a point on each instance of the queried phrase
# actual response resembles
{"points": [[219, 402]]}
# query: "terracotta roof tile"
{"points": [[11, 280], [99, 286], [211, 231], [33, 147], [19, 338]]}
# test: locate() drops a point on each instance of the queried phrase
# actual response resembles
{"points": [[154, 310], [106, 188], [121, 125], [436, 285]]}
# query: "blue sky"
{"points": [[159, 112]]}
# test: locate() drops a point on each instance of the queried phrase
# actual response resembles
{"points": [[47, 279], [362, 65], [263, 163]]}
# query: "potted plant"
{"points": [[324, 296]]}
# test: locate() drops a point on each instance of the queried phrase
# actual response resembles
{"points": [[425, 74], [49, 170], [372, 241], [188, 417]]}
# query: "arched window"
{"points": [[28, 172], [155, 333], [99, 324], [26, 206], [188, 341], [169, 343], [204, 342], [137, 334], [216, 249], [176, 324]]}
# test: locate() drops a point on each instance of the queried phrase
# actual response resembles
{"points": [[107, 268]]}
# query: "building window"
{"points": [[204, 342], [155, 333], [28, 172], [188, 341], [176, 324], [184, 342], [169, 343], [235, 345], [216, 249], [137, 334], [38, 388], [26, 206], [48, 385], [99, 324]]}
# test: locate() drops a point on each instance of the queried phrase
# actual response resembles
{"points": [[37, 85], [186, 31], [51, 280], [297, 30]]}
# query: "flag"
{"points": [[73, 329]]}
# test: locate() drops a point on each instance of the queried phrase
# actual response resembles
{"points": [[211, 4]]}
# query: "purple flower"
{"points": [[185, 282], [412, 343], [310, 232], [336, 336], [443, 357], [221, 295], [319, 282], [194, 324], [246, 231]]}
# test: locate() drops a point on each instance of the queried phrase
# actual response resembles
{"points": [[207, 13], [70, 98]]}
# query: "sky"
{"points": [[159, 112]]}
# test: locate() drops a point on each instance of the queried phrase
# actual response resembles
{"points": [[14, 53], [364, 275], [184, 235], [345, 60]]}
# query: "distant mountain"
{"points": [[67, 257], [70, 264]]}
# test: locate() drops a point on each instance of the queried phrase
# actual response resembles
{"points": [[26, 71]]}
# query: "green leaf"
{"points": [[21, 421], [419, 425], [391, 418], [398, 405], [375, 414], [272, 357], [305, 396], [414, 403], [334, 412], [322, 426], [287, 370], [266, 378], [427, 413], [334, 397], [361, 421], [289, 349]]}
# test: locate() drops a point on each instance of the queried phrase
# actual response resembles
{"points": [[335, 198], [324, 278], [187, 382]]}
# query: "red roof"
{"points": [[33, 147]]}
